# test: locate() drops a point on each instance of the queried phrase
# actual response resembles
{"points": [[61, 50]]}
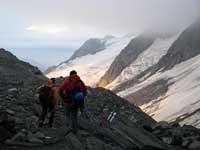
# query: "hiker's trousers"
{"points": [[45, 108], [71, 117]]}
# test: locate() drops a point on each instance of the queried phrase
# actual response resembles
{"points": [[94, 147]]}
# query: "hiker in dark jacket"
{"points": [[73, 92], [48, 95]]}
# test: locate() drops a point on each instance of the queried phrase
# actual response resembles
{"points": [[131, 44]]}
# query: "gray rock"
{"points": [[186, 143], [13, 90], [10, 112], [39, 135], [21, 136], [93, 143], [74, 142], [167, 140], [195, 145], [84, 133], [37, 109], [162, 125], [133, 119], [33, 139], [5, 134], [177, 140]]}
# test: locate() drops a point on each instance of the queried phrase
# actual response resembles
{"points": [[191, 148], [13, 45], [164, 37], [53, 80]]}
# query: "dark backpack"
{"points": [[46, 94]]}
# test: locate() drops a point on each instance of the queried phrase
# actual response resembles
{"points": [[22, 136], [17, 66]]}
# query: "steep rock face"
{"points": [[18, 83], [127, 56], [146, 59], [14, 70], [177, 97], [185, 47]]}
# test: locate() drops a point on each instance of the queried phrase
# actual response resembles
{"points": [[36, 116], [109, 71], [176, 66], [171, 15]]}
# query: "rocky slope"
{"points": [[18, 81], [132, 128], [14, 71], [19, 112], [169, 89], [127, 132]]}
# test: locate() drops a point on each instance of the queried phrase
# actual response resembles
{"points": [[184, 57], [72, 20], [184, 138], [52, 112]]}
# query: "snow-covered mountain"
{"points": [[164, 79], [157, 71], [148, 58], [141, 53], [91, 64], [91, 46]]}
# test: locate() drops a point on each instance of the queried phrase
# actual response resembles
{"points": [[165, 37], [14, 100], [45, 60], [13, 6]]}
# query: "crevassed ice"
{"points": [[145, 60]]}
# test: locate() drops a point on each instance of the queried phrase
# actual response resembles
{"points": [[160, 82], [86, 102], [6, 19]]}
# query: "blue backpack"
{"points": [[78, 96]]}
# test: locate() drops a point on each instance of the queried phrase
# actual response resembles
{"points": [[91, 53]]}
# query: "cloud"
{"points": [[45, 24], [47, 29], [121, 15], [49, 20]]}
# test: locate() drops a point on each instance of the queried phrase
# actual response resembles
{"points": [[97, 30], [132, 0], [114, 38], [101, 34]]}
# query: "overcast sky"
{"points": [[67, 23]]}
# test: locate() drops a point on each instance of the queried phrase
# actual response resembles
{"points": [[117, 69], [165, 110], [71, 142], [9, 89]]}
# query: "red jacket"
{"points": [[68, 84]]}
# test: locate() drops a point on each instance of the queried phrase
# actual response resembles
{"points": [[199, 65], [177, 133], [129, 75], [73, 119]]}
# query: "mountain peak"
{"points": [[91, 46], [108, 37], [6, 55]]}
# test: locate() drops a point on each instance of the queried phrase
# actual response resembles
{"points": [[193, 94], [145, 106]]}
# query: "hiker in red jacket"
{"points": [[73, 92]]}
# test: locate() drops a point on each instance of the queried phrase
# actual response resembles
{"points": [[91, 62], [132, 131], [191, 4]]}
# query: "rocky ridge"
{"points": [[19, 112]]}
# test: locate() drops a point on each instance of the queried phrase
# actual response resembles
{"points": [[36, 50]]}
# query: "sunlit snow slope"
{"points": [[182, 97], [92, 66], [148, 58], [170, 89]]}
